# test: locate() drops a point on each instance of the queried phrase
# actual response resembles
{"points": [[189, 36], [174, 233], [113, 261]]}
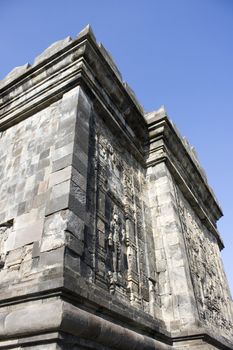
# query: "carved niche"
{"points": [[207, 274], [120, 244]]}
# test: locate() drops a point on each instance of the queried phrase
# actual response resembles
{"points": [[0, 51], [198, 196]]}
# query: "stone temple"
{"points": [[108, 236]]}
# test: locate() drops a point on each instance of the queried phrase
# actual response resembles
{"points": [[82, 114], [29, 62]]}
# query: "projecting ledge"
{"points": [[56, 315]]}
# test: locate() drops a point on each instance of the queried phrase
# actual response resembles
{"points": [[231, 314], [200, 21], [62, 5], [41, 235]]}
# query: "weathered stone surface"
{"points": [[17, 71], [110, 61], [108, 235], [51, 50]]}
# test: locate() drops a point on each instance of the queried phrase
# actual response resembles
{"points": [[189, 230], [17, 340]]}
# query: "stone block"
{"points": [[10, 242], [72, 261], [28, 234], [61, 188], [32, 317], [75, 225], [80, 164], [45, 154], [62, 152], [59, 197], [161, 266], [74, 244], [57, 203], [21, 208], [44, 163], [36, 249], [62, 162], [77, 192], [55, 223], [65, 137], [60, 176], [180, 280], [14, 257], [42, 186], [51, 258], [52, 242], [82, 137], [79, 179], [25, 219], [67, 121], [40, 200], [78, 208]]}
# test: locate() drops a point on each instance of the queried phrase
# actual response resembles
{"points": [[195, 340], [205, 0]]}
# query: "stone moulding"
{"points": [[53, 317], [162, 146], [60, 316], [79, 61]]}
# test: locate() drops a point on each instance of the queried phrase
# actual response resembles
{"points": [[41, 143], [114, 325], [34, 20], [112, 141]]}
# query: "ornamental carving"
{"points": [[116, 247], [120, 245], [209, 282]]}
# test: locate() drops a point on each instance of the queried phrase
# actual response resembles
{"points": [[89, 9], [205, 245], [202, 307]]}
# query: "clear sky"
{"points": [[173, 52]]}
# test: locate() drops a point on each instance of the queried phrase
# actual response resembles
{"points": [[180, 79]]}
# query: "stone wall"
{"points": [[38, 183], [28, 154], [208, 278], [177, 299], [108, 236]]}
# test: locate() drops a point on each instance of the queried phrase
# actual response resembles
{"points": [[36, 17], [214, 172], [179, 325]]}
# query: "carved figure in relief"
{"points": [[109, 155], [128, 192], [111, 165], [116, 239], [121, 262]]}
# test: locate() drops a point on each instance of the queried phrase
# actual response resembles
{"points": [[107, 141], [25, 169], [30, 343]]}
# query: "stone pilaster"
{"points": [[175, 291]]}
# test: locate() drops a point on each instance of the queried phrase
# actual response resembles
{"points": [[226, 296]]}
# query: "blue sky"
{"points": [[173, 52]]}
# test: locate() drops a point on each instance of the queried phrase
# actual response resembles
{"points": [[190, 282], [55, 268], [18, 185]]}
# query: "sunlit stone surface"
{"points": [[108, 235]]}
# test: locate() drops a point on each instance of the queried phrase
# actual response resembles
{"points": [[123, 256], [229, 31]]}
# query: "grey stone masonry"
{"points": [[108, 236]]}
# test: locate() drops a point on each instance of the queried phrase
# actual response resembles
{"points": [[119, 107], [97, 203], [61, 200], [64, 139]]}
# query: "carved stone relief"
{"points": [[120, 241], [206, 271], [116, 249]]}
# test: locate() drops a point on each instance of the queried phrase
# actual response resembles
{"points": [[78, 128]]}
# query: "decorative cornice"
{"points": [[165, 144], [62, 66]]}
